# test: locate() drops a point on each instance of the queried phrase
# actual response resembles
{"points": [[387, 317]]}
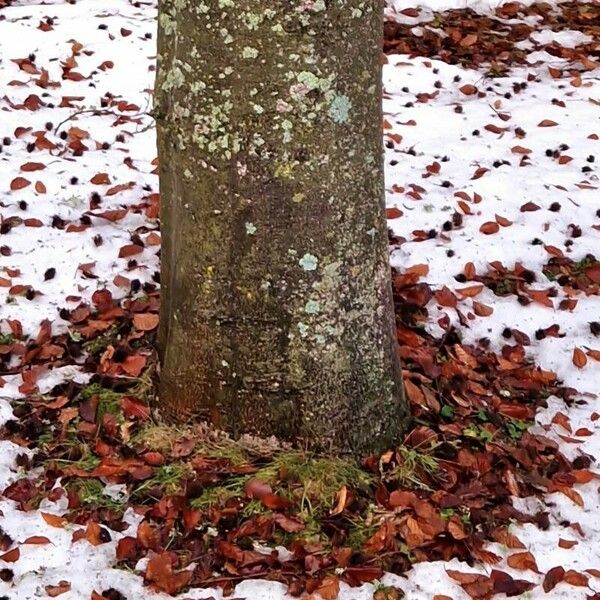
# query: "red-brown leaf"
{"points": [[329, 588], [100, 179], [553, 577], [468, 89], [289, 524], [523, 561], [127, 548], [160, 574], [489, 228], [256, 488], [18, 183], [579, 358], [393, 213], [11, 556], [130, 250], [62, 587], [145, 321], [32, 166], [54, 520], [37, 539]]}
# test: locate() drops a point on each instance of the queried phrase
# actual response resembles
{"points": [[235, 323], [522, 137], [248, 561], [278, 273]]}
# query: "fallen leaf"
{"points": [[329, 588], [470, 291], [130, 250], [37, 539], [61, 587], [482, 310], [18, 183], [145, 321], [11, 556], [100, 179], [159, 573], [579, 358], [468, 89], [553, 577], [547, 123], [575, 578], [54, 520], [523, 561], [32, 166], [489, 228]]}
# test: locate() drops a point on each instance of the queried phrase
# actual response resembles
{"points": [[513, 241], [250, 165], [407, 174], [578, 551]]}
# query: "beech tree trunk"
{"points": [[276, 314]]}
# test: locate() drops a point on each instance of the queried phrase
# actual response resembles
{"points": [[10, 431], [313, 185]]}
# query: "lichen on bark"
{"points": [[276, 312]]}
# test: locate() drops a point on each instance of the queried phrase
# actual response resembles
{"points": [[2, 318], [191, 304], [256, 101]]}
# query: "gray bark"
{"points": [[276, 314]]}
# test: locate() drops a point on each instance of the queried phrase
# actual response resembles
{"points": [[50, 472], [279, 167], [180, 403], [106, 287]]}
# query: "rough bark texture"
{"points": [[276, 315]]}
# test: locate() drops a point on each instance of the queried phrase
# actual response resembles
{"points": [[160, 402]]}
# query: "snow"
{"points": [[439, 131], [567, 39], [130, 79]]}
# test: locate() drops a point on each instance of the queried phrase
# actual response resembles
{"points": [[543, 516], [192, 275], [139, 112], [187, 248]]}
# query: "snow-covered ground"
{"points": [[481, 155]]}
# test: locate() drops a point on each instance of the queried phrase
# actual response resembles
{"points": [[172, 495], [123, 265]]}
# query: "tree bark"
{"points": [[276, 313]]}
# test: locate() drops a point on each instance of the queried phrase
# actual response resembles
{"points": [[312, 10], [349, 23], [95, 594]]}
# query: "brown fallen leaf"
{"points": [[18, 183], [130, 250], [579, 358], [523, 561], [62, 587], [100, 179], [37, 539], [503, 221], [470, 291], [575, 578], [529, 207], [482, 310], [32, 166], [329, 588], [489, 228], [553, 577], [159, 573], [520, 150], [547, 123], [54, 520], [145, 321], [11, 556], [468, 89]]}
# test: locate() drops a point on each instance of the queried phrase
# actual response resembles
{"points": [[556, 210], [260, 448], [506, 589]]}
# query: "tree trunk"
{"points": [[276, 314]]}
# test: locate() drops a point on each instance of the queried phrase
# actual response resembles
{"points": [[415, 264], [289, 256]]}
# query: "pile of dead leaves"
{"points": [[471, 40], [575, 276], [211, 506], [105, 337]]}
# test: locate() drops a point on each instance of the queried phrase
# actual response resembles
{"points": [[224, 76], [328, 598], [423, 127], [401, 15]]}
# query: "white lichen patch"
{"points": [[339, 109], [312, 307], [167, 23], [248, 52], [309, 262], [303, 329]]}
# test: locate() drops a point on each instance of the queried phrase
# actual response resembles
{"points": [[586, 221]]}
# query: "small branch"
{"points": [[100, 112]]}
